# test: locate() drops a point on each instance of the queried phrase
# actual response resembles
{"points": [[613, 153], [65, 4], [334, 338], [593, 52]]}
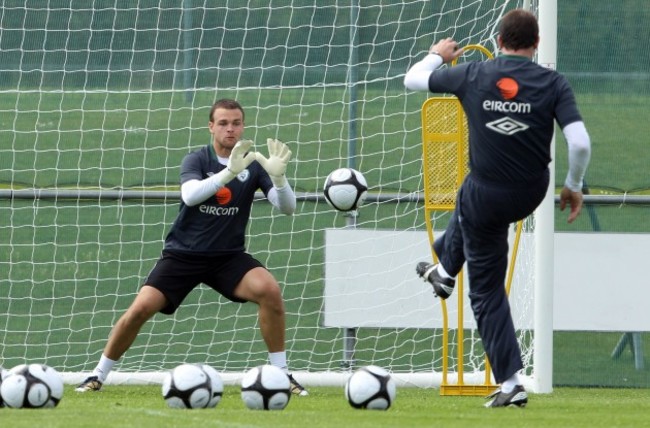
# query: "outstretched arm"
{"points": [[417, 78]]}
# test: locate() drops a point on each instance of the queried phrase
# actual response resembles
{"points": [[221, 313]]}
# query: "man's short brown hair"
{"points": [[227, 104], [519, 30]]}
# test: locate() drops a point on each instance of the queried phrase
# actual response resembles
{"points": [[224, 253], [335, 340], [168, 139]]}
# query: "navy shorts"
{"points": [[176, 274]]}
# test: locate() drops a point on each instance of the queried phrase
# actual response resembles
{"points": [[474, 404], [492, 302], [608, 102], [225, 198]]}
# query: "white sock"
{"points": [[279, 359], [103, 368], [442, 272], [509, 384]]}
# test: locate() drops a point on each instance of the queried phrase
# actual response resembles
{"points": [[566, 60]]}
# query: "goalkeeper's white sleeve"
{"points": [[283, 198], [579, 146], [417, 78], [193, 192]]}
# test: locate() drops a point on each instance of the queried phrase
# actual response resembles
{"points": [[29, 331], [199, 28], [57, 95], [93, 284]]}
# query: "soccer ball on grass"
{"points": [[217, 385], [266, 388], [192, 386], [345, 189], [31, 386], [3, 373], [370, 387]]}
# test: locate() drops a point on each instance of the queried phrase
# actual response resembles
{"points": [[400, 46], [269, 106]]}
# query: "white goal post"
{"points": [[100, 105], [545, 226]]}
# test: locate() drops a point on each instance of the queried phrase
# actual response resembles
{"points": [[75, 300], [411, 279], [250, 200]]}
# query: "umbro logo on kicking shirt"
{"points": [[506, 126]]}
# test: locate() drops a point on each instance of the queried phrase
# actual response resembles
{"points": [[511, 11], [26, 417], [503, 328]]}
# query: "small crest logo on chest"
{"points": [[244, 175]]}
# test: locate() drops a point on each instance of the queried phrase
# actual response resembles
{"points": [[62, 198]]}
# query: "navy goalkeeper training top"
{"points": [[218, 224]]}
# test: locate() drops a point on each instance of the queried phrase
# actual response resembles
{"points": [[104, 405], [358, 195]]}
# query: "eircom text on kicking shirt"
{"points": [[218, 224], [511, 104]]}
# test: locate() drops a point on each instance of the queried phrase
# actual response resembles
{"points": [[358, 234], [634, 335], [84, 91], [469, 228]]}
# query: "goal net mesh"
{"points": [[100, 102]]}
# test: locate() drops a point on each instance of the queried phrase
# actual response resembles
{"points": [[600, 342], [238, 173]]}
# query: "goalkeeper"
{"points": [[511, 105], [206, 241]]}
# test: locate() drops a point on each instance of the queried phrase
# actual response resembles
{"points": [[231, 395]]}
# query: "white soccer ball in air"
{"points": [[266, 388], [188, 386], [31, 386], [370, 387], [345, 189]]}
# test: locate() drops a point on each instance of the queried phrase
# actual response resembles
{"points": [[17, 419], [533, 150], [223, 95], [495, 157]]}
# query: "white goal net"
{"points": [[100, 102]]}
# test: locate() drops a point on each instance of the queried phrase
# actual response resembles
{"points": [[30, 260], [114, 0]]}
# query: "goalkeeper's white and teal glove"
{"points": [[240, 158], [276, 163]]}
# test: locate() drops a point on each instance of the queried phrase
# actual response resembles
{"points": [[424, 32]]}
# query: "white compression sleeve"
{"points": [[579, 146], [283, 198], [417, 78], [193, 192]]}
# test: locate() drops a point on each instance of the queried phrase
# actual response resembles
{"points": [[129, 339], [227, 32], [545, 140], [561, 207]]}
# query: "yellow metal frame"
{"points": [[445, 165]]}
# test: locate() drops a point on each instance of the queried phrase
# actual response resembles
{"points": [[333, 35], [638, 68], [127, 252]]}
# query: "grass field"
{"points": [[143, 407]]}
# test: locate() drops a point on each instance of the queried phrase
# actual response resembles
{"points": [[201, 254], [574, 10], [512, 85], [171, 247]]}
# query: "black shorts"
{"points": [[176, 274]]}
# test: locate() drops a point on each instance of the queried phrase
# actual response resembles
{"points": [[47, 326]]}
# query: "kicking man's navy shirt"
{"points": [[510, 103]]}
